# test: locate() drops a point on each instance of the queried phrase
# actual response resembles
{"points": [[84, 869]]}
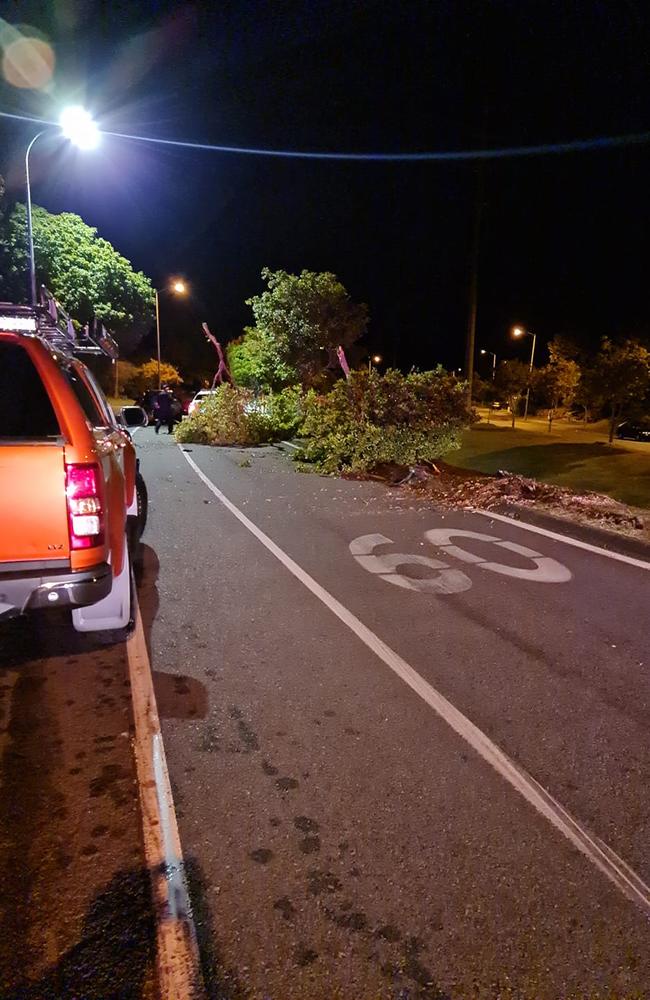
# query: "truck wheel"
{"points": [[136, 523], [115, 610], [143, 503]]}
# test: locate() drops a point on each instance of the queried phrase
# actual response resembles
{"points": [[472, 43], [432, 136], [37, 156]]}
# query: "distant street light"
{"points": [[79, 128], [494, 362], [518, 331], [177, 287], [374, 359]]}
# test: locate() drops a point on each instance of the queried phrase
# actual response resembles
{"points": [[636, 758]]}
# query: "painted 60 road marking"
{"points": [[446, 579]]}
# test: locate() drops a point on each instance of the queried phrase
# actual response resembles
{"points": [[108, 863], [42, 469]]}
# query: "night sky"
{"points": [[565, 241]]}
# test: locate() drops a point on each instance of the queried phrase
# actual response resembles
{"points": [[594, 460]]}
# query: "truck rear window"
{"points": [[26, 412]]}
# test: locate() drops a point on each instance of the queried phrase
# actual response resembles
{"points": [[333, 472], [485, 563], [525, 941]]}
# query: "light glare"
{"points": [[78, 126], [179, 287]]}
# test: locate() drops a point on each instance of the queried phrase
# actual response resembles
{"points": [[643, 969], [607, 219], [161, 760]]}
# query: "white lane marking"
{"points": [[290, 445], [599, 854], [618, 556], [446, 580], [546, 570], [178, 969]]}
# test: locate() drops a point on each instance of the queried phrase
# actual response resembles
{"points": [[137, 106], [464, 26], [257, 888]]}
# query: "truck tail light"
{"points": [[83, 490]]}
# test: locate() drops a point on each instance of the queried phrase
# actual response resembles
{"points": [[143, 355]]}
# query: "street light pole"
{"points": [[532, 358], [158, 336], [177, 288], [77, 126], [518, 331], [530, 369], [31, 266], [494, 362]]}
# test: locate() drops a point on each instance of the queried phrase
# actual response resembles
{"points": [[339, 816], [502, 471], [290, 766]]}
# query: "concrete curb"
{"points": [[611, 541], [178, 968]]}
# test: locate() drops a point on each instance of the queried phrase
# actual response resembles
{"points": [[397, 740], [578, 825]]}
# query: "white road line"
{"points": [[598, 853], [290, 445], [640, 563], [178, 968]]}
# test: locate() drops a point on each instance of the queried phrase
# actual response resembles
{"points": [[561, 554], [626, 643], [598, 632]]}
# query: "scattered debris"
{"points": [[458, 488]]}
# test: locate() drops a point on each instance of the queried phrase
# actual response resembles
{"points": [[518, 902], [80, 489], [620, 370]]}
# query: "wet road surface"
{"points": [[342, 840]]}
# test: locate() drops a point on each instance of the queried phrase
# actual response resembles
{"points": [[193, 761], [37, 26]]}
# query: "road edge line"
{"points": [[595, 850], [556, 536], [178, 967]]}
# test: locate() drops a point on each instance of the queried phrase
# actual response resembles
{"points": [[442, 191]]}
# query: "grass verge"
{"points": [[575, 459]]}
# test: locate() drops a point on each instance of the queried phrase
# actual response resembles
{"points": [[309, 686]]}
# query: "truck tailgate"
{"points": [[33, 511]]}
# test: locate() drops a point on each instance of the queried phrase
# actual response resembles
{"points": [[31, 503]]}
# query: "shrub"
{"points": [[138, 378], [234, 417], [372, 419], [285, 411]]}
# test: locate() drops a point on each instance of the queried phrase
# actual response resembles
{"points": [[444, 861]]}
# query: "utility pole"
{"points": [[473, 284]]}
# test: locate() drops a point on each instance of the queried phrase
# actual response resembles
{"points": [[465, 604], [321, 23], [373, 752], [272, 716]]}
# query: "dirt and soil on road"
{"points": [[464, 489]]}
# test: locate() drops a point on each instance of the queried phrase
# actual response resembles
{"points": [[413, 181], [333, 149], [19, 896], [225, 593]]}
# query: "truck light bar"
{"points": [[18, 323]]}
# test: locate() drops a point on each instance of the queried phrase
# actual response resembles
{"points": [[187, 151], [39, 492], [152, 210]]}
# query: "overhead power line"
{"points": [[431, 156]]}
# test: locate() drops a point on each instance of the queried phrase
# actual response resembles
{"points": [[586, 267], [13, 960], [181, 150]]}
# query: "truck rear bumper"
{"points": [[22, 592]]}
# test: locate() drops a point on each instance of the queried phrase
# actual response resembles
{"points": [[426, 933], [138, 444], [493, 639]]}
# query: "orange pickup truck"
{"points": [[72, 503]]}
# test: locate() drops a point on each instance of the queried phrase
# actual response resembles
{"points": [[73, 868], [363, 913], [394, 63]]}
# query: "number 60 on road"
{"points": [[448, 579]]}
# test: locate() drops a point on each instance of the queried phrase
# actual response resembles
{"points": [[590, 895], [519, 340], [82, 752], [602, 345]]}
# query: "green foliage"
{"points": [[234, 417], [306, 317], [618, 379], [557, 383], [483, 391], [284, 411], [374, 418], [255, 362], [83, 271], [512, 380]]}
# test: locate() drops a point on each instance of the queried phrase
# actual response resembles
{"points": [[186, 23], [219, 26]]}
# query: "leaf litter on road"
{"points": [[457, 488]]}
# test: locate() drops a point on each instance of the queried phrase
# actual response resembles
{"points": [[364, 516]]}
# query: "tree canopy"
{"points": [[255, 362], [558, 382], [619, 379], [306, 317], [84, 272], [512, 380]]}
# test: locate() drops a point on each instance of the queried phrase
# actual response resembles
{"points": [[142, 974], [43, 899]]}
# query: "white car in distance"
{"points": [[200, 397]]}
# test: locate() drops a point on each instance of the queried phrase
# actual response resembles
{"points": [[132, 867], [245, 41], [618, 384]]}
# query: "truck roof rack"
{"points": [[51, 323]]}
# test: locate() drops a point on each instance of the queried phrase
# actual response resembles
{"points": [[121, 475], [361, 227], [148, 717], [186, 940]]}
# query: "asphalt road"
{"points": [[339, 673], [75, 915], [349, 834]]}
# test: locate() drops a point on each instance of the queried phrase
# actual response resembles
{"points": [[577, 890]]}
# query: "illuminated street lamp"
{"points": [[374, 359], [176, 287], [494, 362], [79, 128], [518, 331]]}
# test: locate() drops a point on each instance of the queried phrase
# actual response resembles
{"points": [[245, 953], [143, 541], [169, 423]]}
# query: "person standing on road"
{"points": [[162, 411], [177, 408]]}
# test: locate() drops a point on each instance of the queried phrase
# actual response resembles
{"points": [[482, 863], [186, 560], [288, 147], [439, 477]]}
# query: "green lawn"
{"points": [[571, 456], [117, 402]]}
